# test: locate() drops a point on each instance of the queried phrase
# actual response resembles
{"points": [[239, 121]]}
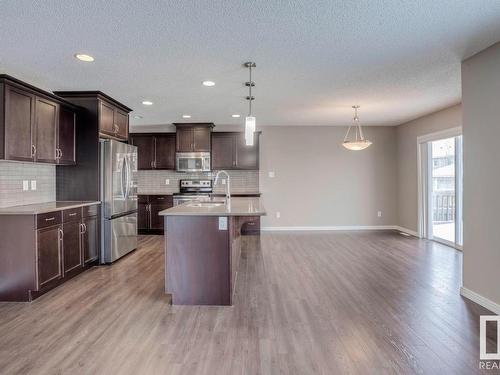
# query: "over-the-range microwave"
{"points": [[192, 161]]}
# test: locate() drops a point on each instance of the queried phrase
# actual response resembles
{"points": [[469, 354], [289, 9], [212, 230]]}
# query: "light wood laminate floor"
{"points": [[306, 303]]}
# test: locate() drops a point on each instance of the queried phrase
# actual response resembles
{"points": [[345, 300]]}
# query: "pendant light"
{"points": [[359, 142], [250, 120]]}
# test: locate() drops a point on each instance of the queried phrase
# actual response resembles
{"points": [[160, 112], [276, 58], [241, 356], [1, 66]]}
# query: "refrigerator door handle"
{"points": [[122, 189], [127, 190]]}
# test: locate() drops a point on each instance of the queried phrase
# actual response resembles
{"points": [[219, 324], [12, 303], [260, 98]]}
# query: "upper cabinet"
{"points": [[154, 151], [30, 124], [112, 116], [194, 137], [229, 151]]}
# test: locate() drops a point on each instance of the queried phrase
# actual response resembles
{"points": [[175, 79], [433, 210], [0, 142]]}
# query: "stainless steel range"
{"points": [[190, 190]]}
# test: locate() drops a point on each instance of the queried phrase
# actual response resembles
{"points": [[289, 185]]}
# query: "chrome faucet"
{"points": [[228, 184]]}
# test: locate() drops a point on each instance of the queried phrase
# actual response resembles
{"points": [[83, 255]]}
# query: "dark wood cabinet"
{"points": [[113, 121], [193, 137], [154, 151], [95, 119], [229, 151], [145, 150], [49, 262], [19, 109], [90, 239], [46, 121], [149, 222], [165, 151], [66, 136], [72, 231], [55, 246], [32, 124]]}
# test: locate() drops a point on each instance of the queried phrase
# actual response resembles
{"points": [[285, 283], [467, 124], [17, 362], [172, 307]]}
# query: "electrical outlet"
{"points": [[271, 174], [167, 181], [379, 213], [278, 214], [33, 184], [26, 185], [223, 181]]}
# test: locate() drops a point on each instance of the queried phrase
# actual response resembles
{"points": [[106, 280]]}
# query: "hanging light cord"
{"points": [[359, 131], [250, 92]]}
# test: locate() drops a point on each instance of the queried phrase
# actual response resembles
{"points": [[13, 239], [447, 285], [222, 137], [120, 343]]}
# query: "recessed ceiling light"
{"points": [[235, 116], [147, 102], [137, 116], [186, 116], [84, 57], [208, 83]]}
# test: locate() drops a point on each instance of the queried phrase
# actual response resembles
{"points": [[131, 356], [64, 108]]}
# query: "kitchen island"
{"points": [[202, 249]]}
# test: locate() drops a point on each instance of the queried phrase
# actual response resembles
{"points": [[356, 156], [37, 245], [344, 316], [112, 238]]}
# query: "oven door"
{"points": [[193, 162]]}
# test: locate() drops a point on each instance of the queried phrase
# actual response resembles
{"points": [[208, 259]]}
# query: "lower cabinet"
{"points": [[149, 222], [90, 239], [49, 262], [55, 246]]}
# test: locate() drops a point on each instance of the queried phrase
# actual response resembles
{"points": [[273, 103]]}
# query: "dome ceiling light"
{"points": [[359, 142]]}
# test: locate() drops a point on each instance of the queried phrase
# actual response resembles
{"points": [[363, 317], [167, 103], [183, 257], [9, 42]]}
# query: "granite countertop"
{"points": [[40, 208], [236, 207]]}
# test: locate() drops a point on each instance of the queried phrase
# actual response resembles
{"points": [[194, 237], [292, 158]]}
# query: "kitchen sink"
{"points": [[205, 204]]}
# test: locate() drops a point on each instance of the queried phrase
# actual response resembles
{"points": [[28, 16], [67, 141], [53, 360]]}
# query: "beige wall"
{"points": [[406, 135], [319, 183], [481, 111]]}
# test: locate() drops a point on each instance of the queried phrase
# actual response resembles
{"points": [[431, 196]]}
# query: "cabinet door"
{"points": [[19, 123], [46, 120], [145, 150], [71, 245], [201, 139], [157, 220], [49, 244], [165, 151], [184, 140], [106, 118], [66, 136], [247, 157], [223, 151], [90, 239], [121, 124], [143, 216]]}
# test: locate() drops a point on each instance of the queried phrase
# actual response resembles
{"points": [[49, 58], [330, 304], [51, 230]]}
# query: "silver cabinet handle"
{"points": [[160, 198], [152, 164], [61, 234], [85, 228], [73, 214], [60, 154], [33, 151], [50, 219]]}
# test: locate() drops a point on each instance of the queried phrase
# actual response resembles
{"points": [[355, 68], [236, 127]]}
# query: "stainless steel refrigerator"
{"points": [[119, 199]]}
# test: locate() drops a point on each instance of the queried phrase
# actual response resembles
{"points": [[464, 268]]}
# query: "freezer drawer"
{"points": [[120, 237]]}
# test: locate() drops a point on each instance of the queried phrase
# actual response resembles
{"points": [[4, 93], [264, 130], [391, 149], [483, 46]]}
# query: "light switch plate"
{"points": [[271, 174], [223, 181], [379, 213], [222, 222], [26, 185], [33, 184], [167, 181]]}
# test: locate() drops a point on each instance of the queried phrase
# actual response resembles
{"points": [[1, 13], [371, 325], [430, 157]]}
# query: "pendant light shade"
{"points": [[250, 120], [358, 142], [249, 130]]}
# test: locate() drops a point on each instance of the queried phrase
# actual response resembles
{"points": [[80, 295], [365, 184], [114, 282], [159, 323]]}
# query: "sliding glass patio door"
{"points": [[441, 187]]}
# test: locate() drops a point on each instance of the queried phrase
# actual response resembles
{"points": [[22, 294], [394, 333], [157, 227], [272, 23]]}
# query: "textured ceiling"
{"points": [[398, 59]]}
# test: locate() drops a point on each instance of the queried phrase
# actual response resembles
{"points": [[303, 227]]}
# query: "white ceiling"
{"points": [[398, 59]]}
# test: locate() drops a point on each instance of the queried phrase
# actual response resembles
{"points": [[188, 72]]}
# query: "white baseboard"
{"points": [[331, 228], [406, 230], [480, 300]]}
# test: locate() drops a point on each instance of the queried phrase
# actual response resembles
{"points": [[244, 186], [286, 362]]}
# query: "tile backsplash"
{"points": [[151, 182], [12, 175]]}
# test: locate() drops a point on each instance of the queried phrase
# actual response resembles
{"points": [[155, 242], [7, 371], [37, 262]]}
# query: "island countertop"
{"points": [[236, 207]]}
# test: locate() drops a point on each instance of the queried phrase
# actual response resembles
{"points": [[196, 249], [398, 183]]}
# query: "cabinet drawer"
{"points": [[251, 225], [91, 210], [48, 219], [72, 214], [161, 199]]}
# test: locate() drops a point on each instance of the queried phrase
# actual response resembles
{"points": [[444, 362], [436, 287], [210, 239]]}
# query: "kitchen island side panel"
{"points": [[198, 264]]}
